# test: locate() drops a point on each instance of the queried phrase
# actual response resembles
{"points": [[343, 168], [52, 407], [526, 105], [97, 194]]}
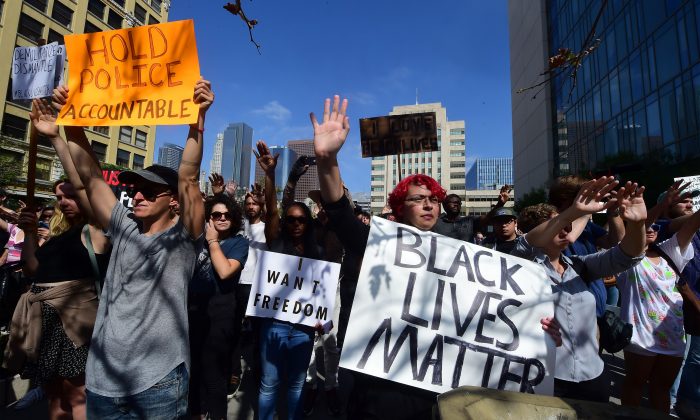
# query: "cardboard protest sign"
{"points": [[141, 75], [397, 134], [36, 70], [294, 289], [437, 313], [694, 186]]}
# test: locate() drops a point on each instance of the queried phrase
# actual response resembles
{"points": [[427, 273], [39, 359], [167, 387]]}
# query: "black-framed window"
{"points": [[14, 126], [91, 27], [102, 129], [114, 20], [62, 14], [26, 103], [38, 4], [125, 133], [30, 27], [139, 161], [140, 13], [123, 157], [55, 37], [140, 138], [100, 150], [119, 2], [97, 8]]}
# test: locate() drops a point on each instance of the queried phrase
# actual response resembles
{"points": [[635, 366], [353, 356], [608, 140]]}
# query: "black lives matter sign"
{"points": [[398, 134]]}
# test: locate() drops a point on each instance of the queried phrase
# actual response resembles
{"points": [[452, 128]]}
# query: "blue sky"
{"points": [[375, 52]]}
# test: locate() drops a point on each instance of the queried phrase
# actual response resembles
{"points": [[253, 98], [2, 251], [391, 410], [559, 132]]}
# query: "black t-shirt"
{"points": [[501, 246], [64, 257]]}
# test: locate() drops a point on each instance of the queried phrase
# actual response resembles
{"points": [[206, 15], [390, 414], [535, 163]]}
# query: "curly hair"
{"points": [[235, 212], [532, 216], [398, 195], [564, 190]]}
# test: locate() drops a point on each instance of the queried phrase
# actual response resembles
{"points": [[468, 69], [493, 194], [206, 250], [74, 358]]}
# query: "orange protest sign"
{"points": [[143, 75]]}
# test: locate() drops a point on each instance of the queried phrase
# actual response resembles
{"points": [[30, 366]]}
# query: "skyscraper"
{"points": [[308, 181], [170, 155], [490, 173], [215, 163], [284, 164], [236, 153], [446, 165], [632, 107]]}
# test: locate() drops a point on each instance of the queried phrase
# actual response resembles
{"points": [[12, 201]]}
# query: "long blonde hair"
{"points": [[58, 223]]}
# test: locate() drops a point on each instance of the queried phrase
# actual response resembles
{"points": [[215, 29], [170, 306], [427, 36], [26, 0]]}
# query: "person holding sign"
{"points": [[138, 364], [579, 368], [416, 202]]}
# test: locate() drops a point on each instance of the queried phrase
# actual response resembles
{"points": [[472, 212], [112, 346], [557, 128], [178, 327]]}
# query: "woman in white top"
{"points": [[652, 303]]}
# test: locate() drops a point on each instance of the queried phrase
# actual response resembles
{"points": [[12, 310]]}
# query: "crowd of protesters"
{"points": [[141, 313]]}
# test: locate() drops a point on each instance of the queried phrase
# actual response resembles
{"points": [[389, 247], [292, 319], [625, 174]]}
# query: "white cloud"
{"points": [[275, 111], [362, 98]]}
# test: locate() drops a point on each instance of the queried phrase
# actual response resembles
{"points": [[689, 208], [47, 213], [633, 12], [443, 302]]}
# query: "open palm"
{"points": [[267, 162], [590, 198], [631, 202], [330, 135], [43, 118]]}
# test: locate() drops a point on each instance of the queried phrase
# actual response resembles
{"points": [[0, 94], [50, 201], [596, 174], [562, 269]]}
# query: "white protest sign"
{"points": [[694, 186], [293, 289], [437, 313], [36, 70]]}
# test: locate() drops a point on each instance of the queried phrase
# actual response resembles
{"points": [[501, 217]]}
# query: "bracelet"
{"points": [[212, 240], [196, 127]]}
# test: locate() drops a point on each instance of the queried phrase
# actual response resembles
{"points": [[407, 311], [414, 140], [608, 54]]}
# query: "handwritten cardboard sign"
{"points": [[398, 134], [36, 70], [294, 289], [437, 313], [142, 75]]}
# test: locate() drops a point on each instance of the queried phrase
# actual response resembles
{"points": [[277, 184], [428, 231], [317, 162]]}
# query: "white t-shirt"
{"points": [[652, 304], [256, 236]]}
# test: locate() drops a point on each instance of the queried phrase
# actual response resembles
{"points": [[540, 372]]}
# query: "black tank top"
{"points": [[64, 257]]}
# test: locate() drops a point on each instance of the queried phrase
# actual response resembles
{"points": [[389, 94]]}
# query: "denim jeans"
{"points": [[165, 400], [688, 396], [285, 350], [613, 295]]}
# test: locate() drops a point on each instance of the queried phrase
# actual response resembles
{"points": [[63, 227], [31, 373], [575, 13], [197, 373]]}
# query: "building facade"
{"points": [[23, 23], [215, 162], [490, 173], [170, 155], [634, 105], [308, 181], [236, 150], [446, 165], [480, 202]]}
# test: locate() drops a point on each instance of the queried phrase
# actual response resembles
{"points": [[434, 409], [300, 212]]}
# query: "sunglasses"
{"points": [[296, 219], [216, 215], [149, 193]]}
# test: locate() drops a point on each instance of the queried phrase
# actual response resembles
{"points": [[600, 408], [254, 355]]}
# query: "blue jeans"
{"points": [[688, 396], [613, 296], [285, 350], [165, 400]]}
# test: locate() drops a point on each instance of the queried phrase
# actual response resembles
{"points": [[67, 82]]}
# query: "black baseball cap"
{"points": [[156, 174], [504, 212]]}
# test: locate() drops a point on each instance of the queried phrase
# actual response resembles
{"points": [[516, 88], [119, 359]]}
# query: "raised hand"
{"points": [[504, 195], [267, 162], [631, 202], [217, 183], [203, 95], [210, 233], [43, 118], [59, 97], [231, 188], [590, 198], [299, 168], [257, 190], [330, 135], [674, 194]]}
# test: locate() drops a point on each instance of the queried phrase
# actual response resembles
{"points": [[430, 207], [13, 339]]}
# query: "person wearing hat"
{"points": [[505, 228], [138, 364]]}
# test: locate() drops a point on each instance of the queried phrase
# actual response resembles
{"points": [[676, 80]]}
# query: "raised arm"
{"points": [[299, 168], [688, 229], [268, 163], [587, 202], [329, 138], [100, 197], [633, 211], [503, 197], [44, 121], [189, 196]]}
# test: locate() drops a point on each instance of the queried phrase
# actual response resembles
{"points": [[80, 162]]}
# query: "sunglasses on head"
{"points": [[148, 192], [216, 215], [297, 219]]}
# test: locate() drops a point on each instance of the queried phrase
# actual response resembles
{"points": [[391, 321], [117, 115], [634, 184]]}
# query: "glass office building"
{"points": [[636, 100], [490, 173]]}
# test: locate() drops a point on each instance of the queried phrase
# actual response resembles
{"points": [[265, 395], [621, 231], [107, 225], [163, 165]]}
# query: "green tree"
{"points": [[11, 170]]}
